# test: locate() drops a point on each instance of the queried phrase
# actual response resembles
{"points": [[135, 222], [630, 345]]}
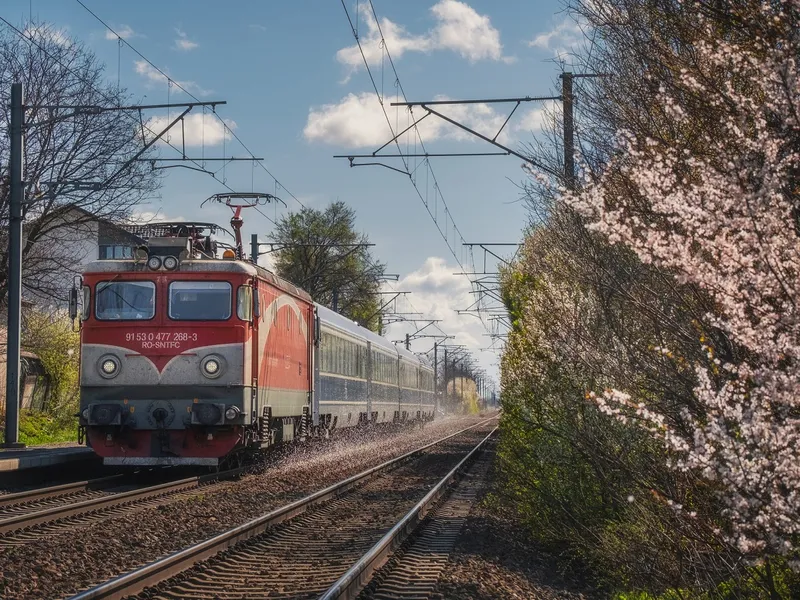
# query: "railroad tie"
{"points": [[413, 575]]}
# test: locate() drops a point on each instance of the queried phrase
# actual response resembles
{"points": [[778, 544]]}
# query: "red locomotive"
{"points": [[188, 359]]}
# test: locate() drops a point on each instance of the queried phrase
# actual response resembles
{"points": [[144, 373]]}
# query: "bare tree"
{"points": [[70, 156]]}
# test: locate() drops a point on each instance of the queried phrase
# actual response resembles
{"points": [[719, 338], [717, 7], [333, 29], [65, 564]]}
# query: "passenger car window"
{"points": [[199, 300], [125, 300]]}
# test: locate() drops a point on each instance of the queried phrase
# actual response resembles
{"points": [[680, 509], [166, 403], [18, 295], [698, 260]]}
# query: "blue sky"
{"points": [[297, 93]]}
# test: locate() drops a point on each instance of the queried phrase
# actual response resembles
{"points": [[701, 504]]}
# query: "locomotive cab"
{"points": [[166, 358]]}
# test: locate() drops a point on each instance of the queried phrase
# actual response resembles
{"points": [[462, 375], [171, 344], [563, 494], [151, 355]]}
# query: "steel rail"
{"points": [[69, 510], [350, 585], [38, 494], [154, 573]]}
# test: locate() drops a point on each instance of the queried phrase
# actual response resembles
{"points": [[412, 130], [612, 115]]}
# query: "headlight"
{"points": [[85, 414], [170, 263], [154, 263], [109, 366], [232, 413], [211, 366]]}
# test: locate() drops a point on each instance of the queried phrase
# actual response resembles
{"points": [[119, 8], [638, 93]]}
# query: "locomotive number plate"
{"points": [[161, 339]]}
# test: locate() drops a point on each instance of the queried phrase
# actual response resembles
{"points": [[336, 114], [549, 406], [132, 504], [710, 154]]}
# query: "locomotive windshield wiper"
{"points": [[107, 287]]}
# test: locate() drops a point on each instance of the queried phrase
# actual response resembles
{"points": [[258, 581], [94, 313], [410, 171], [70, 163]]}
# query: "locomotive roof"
{"points": [[345, 324], [201, 266]]}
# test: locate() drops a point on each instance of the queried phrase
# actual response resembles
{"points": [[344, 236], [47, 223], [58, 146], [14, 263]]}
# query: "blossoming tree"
{"points": [[719, 208]]}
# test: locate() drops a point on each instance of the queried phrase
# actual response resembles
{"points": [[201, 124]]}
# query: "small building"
{"points": [[74, 238], [34, 382]]}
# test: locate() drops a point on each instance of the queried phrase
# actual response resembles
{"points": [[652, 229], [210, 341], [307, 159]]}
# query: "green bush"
{"points": [[49, 335], [39, 428]]}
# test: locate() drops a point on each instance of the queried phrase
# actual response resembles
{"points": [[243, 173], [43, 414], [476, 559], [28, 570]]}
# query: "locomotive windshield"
{"points": [[200, 300], [125, 300]]}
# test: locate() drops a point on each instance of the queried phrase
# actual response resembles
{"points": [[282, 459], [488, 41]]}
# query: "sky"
{"points": [[297, 94]]}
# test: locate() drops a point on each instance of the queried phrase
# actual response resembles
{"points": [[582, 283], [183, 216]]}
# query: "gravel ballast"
{"points": [[65, 563], [493, 559]]}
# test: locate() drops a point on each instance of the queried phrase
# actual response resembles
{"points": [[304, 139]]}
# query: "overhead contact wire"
{"points": [[190, 94]]}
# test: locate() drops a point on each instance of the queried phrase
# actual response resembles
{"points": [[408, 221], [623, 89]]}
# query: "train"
{"points": [[188, 358]]}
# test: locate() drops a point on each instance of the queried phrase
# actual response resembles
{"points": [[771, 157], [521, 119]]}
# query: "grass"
{"points": [[37, 428]]}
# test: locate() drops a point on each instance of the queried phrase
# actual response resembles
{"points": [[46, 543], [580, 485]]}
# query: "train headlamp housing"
{"points": [[170, 263], [207, 413], [105, 414], [141, 254], [108, 366], [232, 413], [212, 366], [154, 263], [85, 414]]}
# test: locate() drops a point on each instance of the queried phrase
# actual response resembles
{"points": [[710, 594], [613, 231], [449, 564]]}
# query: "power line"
{"points": [[177, 84], [391, 127], [406, 164], [106, 97], [424, 150]]}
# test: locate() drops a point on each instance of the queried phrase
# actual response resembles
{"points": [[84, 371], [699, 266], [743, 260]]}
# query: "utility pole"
{"points": [[455, 371], [462, 379], [254, 248], [436, 375], [569, 133], [335, 300], [444, 377], [17, 188]]}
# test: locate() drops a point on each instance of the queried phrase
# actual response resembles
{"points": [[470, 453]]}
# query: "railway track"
{"points": [[12, 504], [299, 550], [27, 516], [414, 569]]}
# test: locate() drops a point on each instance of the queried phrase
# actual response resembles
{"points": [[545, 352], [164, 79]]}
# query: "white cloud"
{"points": [[183, 42], [561, 39], [459, 28], [47, 33], [147, 71], [198, 130], [257, 27], [123, 31], [143, 217], [354, 122], [358, 121], [534, 119], [463, 30], [437, 292], [266, 260], [153, 76]]}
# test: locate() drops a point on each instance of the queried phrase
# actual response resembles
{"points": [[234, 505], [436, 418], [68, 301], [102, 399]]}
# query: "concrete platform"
{"points": [[41, 456]]}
